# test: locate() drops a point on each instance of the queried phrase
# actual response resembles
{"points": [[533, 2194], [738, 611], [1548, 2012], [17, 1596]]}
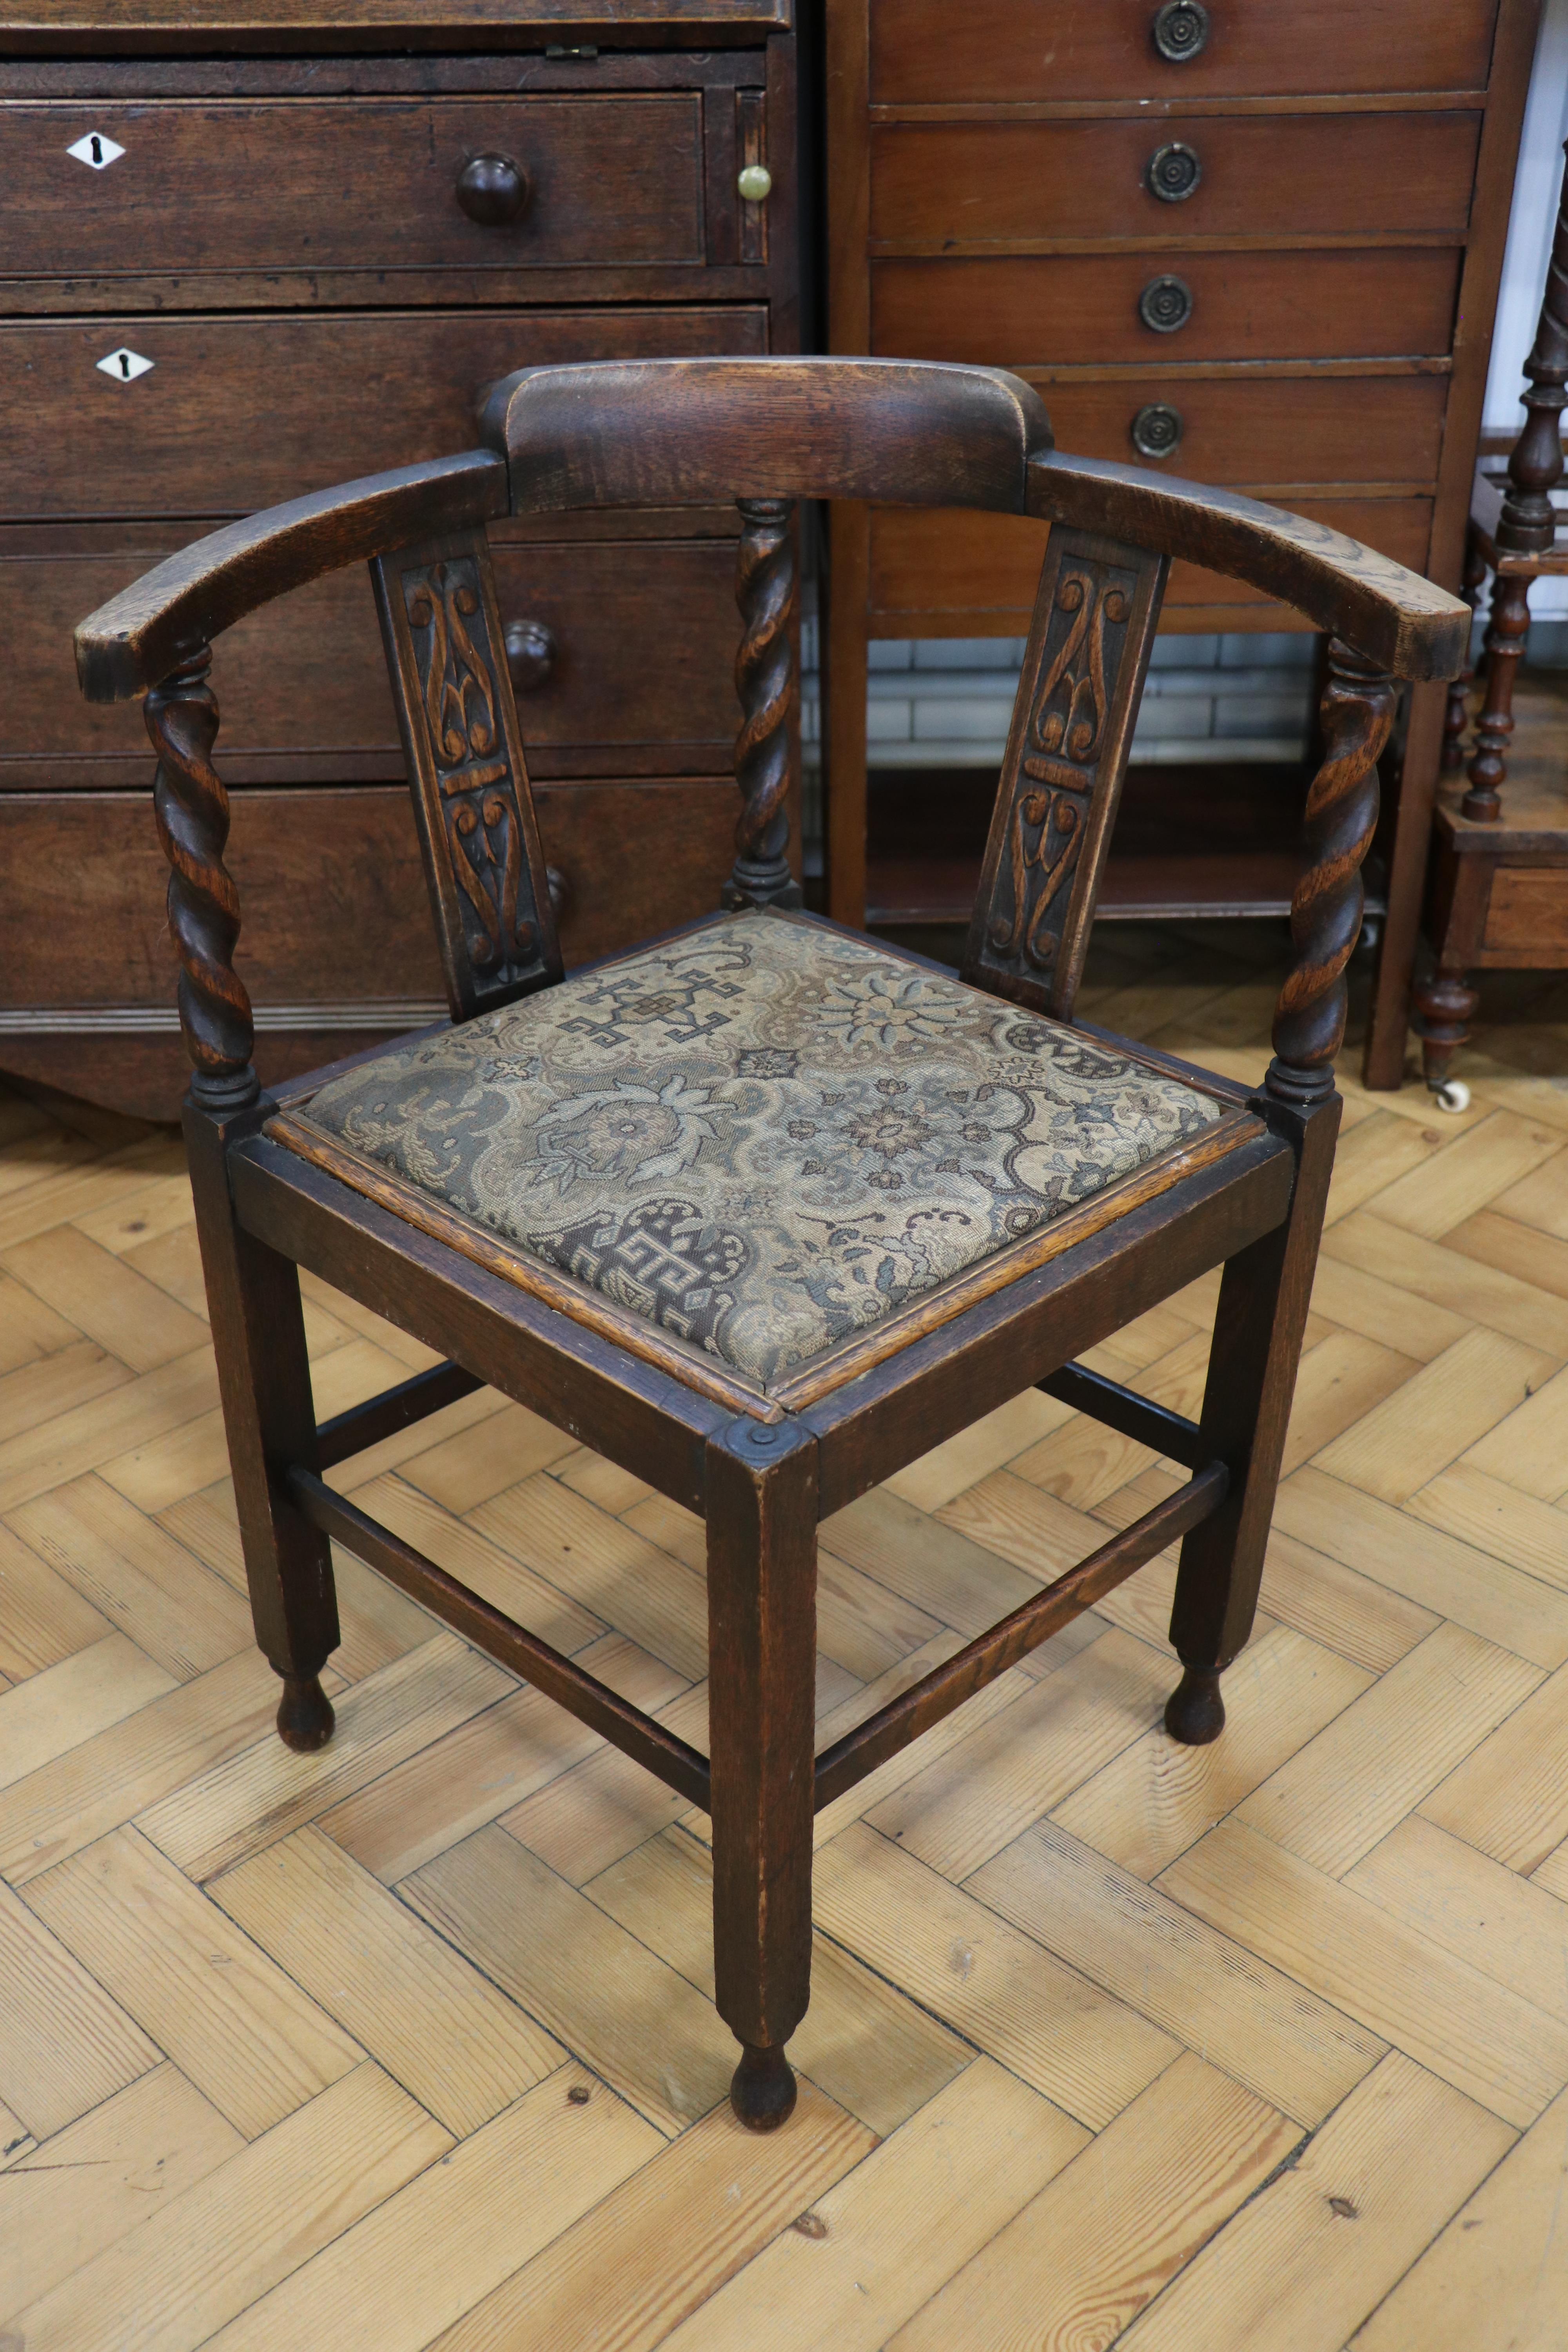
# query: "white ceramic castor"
{"points": [[1453, 1095]]}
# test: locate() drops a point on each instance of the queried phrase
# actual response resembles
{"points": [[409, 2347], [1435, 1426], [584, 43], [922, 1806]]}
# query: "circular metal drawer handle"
{"points": [[531, 650], [493, 190], [1166, 304], [559, 890], [1157, 430], [1173, 173], [1180, 28], [755, 183]]}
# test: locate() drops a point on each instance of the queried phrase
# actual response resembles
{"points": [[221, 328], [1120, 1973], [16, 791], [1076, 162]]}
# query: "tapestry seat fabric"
{"points": [[764, 1134]]}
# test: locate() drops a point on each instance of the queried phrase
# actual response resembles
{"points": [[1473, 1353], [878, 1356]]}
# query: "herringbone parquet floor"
{"points": [[1255, 2048]]}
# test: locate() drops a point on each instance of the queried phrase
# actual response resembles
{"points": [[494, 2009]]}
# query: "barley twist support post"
{"points": [[191, 809], [765, 590], [1357, 714]]}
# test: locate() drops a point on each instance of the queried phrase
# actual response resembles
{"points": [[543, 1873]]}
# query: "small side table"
{"points": [[1497, 882]]}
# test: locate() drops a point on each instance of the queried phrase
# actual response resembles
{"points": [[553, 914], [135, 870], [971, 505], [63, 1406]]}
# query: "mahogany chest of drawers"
{"points": [[239, 261], [1254, 241]]}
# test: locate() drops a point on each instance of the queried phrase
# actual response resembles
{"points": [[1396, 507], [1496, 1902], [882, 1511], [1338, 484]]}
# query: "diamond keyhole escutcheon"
{"points": [[124, 365], [96, 150]]}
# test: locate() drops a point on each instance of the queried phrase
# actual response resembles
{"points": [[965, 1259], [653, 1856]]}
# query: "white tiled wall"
{"points": [[946, 702]]}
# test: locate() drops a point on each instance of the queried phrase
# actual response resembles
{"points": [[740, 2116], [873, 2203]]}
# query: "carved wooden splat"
{"points": [[441, 626], [1061, 778]]}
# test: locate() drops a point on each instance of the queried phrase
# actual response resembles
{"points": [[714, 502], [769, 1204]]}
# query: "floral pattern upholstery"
{"points": [[763, 1135]]}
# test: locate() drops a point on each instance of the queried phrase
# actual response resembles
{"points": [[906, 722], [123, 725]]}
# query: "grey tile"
{"points": [[1176, 651], [1268, 649], [890, 653], [969, 653]]}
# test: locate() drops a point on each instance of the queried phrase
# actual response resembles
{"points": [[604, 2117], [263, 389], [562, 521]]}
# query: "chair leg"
{"points": [[762, 1674], [263, 1380], [1264, 1298]]}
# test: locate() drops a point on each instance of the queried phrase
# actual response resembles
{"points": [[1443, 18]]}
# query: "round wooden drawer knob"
{"points": [[493, 190], [755, 183], [1180, 29], [529, 656], [1157, 430], [1166, 304], [1173, 173]]}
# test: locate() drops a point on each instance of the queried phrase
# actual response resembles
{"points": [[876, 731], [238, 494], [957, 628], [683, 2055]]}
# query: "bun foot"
{"points": [[762, 2091], [1194, 1712], [305, 1717]]}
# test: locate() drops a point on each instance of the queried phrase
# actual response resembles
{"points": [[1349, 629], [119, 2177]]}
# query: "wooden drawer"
{"points": [[644, 634], [1251, 431], [1527, 916], [360, 184], [1084, 308], [333, 896], [646, 642], [1261, 175], [635, 859], [1008, 50], [236, 413], [959, 574]]}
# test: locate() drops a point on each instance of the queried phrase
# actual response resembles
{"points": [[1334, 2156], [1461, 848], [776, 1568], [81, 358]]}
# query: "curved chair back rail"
{"points": [[690, 431]]}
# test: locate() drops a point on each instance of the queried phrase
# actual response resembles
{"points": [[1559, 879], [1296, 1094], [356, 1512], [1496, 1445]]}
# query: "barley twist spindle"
{"points": [[1357, 714], [191, 809], [765, 590]]}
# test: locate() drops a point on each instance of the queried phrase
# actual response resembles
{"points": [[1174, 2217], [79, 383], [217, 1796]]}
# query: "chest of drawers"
{"points": [[247, 250], [1254, 242]]}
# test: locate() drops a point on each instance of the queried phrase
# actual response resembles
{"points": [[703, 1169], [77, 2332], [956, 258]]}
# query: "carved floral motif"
{"points": [[1064, 742], [478, 797]]}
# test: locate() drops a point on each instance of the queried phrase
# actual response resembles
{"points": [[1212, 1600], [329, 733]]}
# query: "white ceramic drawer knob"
{"points": [[755, 183]]}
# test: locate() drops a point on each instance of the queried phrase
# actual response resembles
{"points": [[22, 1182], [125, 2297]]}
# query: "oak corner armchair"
{"points": [[764, 1209]]}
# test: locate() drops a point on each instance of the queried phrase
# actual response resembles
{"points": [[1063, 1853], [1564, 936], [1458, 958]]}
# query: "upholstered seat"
{"points": [[763, 1135]]}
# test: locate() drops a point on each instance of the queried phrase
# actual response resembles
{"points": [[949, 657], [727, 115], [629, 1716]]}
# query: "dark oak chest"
{"points": [[247, 251]]}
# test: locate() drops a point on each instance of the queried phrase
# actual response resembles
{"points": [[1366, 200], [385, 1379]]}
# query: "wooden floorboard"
{"points": [[409, 2044]]}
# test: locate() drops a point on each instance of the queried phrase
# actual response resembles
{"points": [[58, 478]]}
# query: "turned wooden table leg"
{"points": [[1506, 633], [1445, 1002], [1457, 717], [1445, 1007]]}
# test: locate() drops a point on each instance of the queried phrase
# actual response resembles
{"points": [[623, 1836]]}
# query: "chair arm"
{"points": [[154, 639], [1408, 625], [163, 618]]}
